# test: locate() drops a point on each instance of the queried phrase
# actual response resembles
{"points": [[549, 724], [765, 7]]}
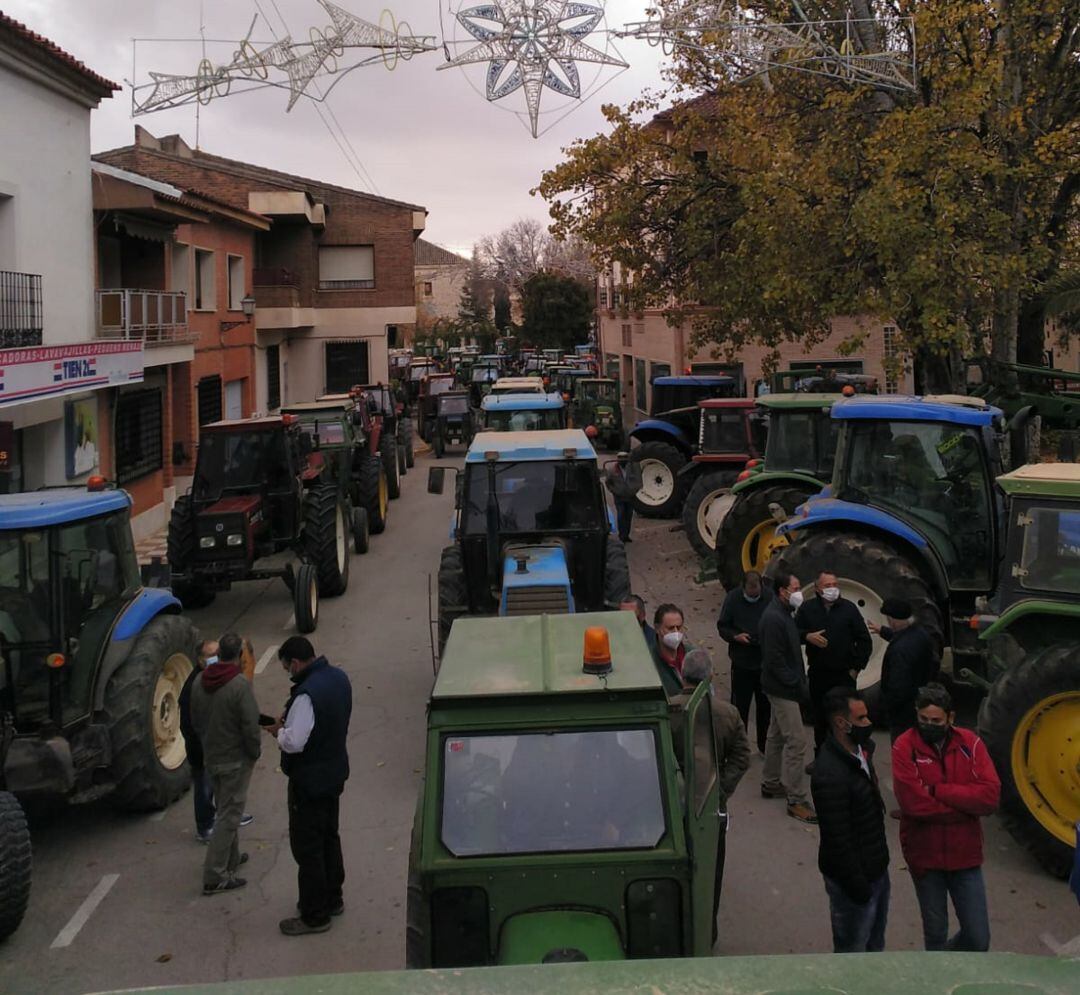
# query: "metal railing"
{"points": [[20, 309], [154, 316]]}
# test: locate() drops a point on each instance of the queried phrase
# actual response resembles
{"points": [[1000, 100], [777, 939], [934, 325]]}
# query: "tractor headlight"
{"points": [[207, 542], [236, 539]]}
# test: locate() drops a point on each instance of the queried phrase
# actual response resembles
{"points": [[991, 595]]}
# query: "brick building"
{"points": [[333, 279], [440, 278]]}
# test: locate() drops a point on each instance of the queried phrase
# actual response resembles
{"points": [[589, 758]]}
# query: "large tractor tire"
{"points": [[374, 493], [16, 864], [142, 711], [405, 439], [402, 466], [182, 541], [747, 536], [662, 489], [388, 453], [361, 531], [1030, 721], [703, 510], [306, 598], [868, 571], [453, 591], [616, 574], [326, 538]]}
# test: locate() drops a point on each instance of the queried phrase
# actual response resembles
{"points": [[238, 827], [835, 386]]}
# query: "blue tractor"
{"points": [[91, 668], [532, 531], [668, 439]]}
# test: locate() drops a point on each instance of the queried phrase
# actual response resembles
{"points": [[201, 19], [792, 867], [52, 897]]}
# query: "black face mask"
{"points": [[861, 735], [933, 734]]}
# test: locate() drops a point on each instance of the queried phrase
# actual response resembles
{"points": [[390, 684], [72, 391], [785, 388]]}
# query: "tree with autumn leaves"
{"points": [[760, 209]]}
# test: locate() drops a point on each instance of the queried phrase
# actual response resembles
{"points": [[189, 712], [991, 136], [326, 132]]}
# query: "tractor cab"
{"points": [[567, 379], [596, 409], [453, 422], [419, 368], [531, 412], [431, 387], [517, 385], [482, 378]]}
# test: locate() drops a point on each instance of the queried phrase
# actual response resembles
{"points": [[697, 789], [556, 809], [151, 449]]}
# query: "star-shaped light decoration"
{"points": [[532, 44]]}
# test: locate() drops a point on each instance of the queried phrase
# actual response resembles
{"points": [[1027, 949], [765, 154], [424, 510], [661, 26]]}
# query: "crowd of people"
{"points": [[795, 663]]}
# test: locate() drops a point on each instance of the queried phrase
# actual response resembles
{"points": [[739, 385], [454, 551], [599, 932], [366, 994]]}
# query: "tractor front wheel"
{"points": [[388, 452], [306, 598], [453, 591], [616, 574], [1030, 721], [142, 712], [703, 510], [326, 538], [374, 493], [16, 864], [662, 489], [182, 544]]}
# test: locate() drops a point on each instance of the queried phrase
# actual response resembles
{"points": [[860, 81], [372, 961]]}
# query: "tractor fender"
{"points": [[759, 477], [655, 430], [990, 626], [141, 610]]}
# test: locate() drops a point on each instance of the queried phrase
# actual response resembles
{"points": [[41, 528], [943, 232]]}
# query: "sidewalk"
{"points": [[153, 545]]}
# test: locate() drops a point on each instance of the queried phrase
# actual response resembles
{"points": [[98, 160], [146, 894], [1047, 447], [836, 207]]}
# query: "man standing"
{"points": [[226, 720], [945, 781], [783, 679], [312, 736], [740, 616], [201, 793], [838, 645], [623, 479], [910, 662], [636, 604], [853, 855], [671, 647]]}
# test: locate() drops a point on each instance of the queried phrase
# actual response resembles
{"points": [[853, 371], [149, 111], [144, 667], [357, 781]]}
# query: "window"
{"points": [[273, 377], [611, 365], [346, 364], [236, 283], [138, 425], [205, 296], [209, 391], [536, 497], [181, 268], [1051, 556], [640, 383], [659, 370], [428, 289], [346, 267], [892, 359], [627, 339], [602, 296], [391, 336]]}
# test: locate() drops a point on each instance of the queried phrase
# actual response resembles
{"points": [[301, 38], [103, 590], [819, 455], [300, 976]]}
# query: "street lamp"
{"points": [[247, 305]]}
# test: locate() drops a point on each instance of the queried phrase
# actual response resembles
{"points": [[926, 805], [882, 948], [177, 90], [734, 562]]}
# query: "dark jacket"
{"points": [[737, 615], [623, 484], [849, 639], [225, 717], [321, 768], [852, 849], [941, 797], [783, 674], [910, 662], [187, 730]]}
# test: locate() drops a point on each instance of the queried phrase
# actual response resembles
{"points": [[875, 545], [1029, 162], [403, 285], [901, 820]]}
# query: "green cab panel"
{"points": [[1022, 609], [559, 935], [765, 477]]}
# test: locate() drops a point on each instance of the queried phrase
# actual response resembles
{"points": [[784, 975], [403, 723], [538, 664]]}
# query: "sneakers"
{"points": [[297, 927], [772, 790], [228, 884], [204, 837], [804, 813], [247, 819]]}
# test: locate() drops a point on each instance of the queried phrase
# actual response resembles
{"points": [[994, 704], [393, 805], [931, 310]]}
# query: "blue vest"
{"points": [[322, 766]]}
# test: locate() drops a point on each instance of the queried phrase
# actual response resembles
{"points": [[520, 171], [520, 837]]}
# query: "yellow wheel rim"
{"points": [[168, 739], [1046, 763], [759, 544], [384, 495]]}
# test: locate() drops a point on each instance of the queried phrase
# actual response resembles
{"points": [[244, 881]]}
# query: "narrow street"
{"points": [[116, 900]]}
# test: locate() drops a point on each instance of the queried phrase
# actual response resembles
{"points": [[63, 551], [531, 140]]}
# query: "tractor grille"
{"points": [[541, 600]]}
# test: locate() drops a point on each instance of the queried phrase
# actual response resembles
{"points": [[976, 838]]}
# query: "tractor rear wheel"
{"points": [[16, 864], [388, 452], [142, 711], [182, 545], [868, 571], [374, 494], [406, 439], [616, 574], [747, 536], [361, 530], [1029, 721], [662, 489], [453, 591], [306, 598], [326, 539], [703, 513]]}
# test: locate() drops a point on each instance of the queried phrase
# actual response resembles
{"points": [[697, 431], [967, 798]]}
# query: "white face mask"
{"points": [[672, 640], [795, 600], [830, 594]]}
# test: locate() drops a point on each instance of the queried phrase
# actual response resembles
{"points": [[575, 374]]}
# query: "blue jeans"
{"points": [[968, 893], [858, 928], [624, 516], [203, 797]]}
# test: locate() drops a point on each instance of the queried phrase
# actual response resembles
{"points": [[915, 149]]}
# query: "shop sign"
{"points": [[49, 371]]}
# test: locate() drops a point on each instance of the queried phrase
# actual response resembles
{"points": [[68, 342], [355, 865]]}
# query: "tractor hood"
{"points": [[535, 581], [558, 936], [245, 504]]}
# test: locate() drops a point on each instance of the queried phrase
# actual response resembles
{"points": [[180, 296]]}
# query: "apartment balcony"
{"points": [[156, 317], [20, 309], [277, 300]]}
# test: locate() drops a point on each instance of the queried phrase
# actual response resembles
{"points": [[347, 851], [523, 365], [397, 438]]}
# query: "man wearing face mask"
{"points": [[945, 782], [838, 645], [853, 854], [671, 647], [740, 616], [783, 679]]}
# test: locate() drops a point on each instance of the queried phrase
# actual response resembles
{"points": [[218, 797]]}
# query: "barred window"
{"points": [[209, 390], [138, 435], [346, 365], [273, 377]]}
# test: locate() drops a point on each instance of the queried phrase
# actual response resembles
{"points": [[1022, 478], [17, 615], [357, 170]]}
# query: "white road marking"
{"points": [[1068, 949], [291, 624], [265, 659], [84, 912]]}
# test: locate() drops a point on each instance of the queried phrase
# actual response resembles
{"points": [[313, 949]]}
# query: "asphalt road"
{"points": [[116, 899]]}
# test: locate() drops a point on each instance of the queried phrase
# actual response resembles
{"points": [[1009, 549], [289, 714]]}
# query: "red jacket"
{"points": [[941, 796]]}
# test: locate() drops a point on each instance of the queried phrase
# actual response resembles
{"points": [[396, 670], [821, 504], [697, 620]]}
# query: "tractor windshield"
{"points": [[667, 397], [330, 431], [60, 591], [484, 374], [440, 385], [536, 497], [592, 390], [523, 421], [234, 461], [723, 431], [551, 792], [1050, 559], [454, 404], [801, 441]]}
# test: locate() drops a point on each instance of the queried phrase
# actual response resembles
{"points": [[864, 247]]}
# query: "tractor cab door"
{"points": [[703, 814]]}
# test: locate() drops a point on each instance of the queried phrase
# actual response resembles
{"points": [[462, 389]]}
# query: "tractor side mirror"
{"points": [[436, 479], [306, 446]]}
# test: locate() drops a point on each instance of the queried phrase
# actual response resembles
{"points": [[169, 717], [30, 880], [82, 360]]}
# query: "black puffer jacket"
{"points": [[853, 850]]}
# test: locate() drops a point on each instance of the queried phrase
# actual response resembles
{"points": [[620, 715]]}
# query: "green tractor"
{"points": [[597, 410]]}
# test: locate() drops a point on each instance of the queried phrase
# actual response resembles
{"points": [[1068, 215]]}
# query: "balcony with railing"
{"points": [[276, 286], [157, 317], [21, 320]]}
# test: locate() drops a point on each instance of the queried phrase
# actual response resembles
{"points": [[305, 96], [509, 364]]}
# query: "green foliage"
{"points": [[557, 311]]}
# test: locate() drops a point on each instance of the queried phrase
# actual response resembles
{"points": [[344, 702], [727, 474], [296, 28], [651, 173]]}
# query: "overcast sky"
{"points": [[423, 136]]}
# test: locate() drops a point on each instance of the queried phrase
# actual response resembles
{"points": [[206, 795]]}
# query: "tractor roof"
{"points": [[1043, 480], [39, 509], [337, 404], [693, 381], [726, 402], [799, 402], [599, 380], [957, 410], [251, 424], [544, 446], [522, 402], [541, 655], [504, 382]]}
